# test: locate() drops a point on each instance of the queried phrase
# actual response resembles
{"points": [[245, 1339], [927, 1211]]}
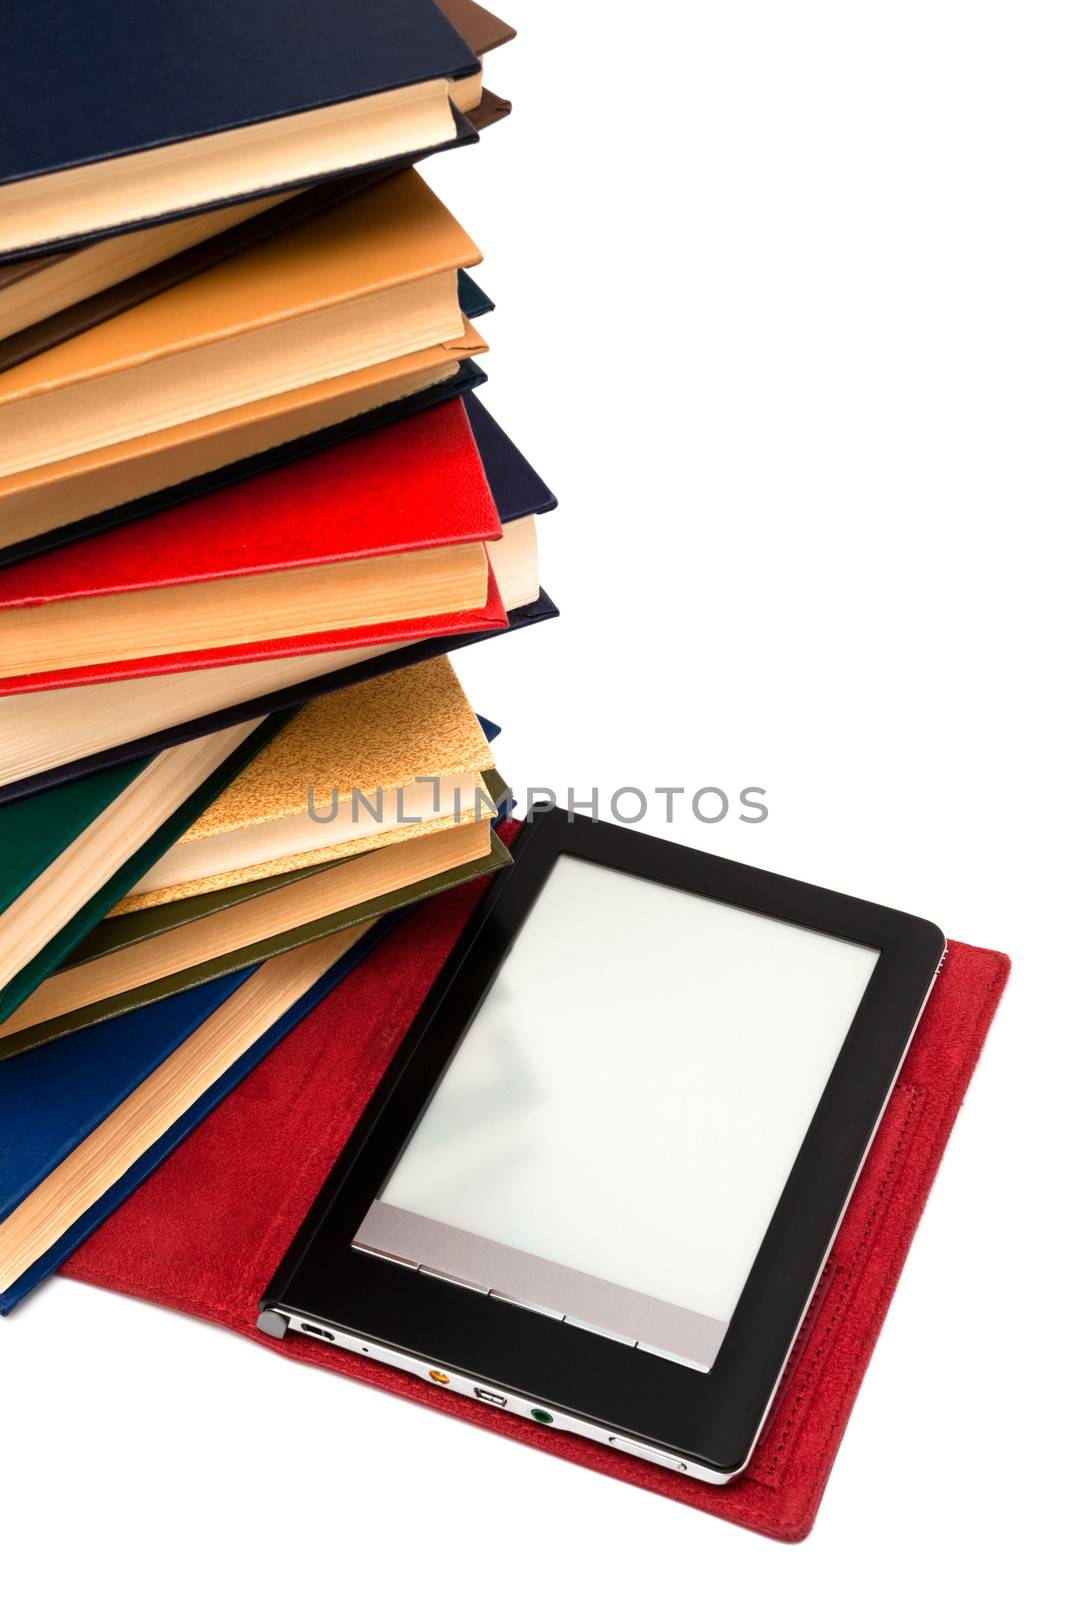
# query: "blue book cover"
{"points": [[52, 1098], [194, 70]]}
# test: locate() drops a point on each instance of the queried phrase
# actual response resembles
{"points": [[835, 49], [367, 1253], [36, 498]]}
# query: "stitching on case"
{"points": [[800, 1343], [888, 1288], [977, 1030], [768, 1471]]}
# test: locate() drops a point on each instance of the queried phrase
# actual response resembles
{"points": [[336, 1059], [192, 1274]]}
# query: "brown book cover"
{"points": [[479, 28]]}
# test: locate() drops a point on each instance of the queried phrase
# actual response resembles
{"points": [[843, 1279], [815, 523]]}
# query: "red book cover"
{"points": [[491, 615], [414, 485]]}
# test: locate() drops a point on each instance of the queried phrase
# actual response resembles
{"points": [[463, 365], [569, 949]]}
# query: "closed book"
{"points": [[70, 499], [390, 527], [461, 376], [367, 280], [206, 105], [55, 735], [490, 109], [367, 639], [542, 609], [47, 299], [482, 30], [69, 855], [384, 761], [134, 960], [85, 1119]]}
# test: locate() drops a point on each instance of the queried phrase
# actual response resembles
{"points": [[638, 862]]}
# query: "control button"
{"points": [[646, 1452]]}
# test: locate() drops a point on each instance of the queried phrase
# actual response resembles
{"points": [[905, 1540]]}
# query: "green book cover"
{"points": [[104, 939], [35, 831]]}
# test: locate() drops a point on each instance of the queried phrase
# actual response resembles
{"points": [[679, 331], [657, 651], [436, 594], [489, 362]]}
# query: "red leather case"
{"points": [[207, 1230]]}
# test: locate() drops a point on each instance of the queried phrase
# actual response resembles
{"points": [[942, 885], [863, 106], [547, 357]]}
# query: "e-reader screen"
{"points": [[610, 1139]]}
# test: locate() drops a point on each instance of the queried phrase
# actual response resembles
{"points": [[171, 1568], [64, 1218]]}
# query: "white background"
{"points": [[781, 316]]}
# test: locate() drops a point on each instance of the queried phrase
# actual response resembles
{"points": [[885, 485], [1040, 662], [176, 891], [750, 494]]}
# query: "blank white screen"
{"points": [[632, 1094]]}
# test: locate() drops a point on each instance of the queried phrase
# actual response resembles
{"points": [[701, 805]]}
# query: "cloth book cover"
{"points": [[72, 493], [37, 1021], [490, 109], [171, 260], [54, 1098], [126, 271], [181, 74], [481, 30], [400, 734], [141, 265], [518, 492], [540, 610], [467, 375], [367, 280], [300, 1109], [384, 634], [37, 831], [405, 491]]}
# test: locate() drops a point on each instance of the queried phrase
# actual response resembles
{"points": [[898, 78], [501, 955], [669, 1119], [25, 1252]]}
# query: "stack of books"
{"points": [[249, 506]]}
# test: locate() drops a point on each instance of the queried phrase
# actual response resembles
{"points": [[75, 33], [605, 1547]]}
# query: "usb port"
{"points": [[319, 1333], [489, 1397]]}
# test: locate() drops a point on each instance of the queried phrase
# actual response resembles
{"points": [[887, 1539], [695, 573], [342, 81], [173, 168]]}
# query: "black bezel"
{"points": [[712, 1418]]}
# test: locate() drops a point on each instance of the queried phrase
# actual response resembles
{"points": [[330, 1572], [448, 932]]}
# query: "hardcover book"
{"points": [[133, 960], [368, 280], [55, 735], [69, 855], [481, 30], [85, 1119], [71, 499], [206, 105], [389, 760], [391, 527], [47, 299]]}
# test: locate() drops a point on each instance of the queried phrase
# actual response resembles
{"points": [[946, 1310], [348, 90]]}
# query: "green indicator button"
{"points": [[542, 1416]]}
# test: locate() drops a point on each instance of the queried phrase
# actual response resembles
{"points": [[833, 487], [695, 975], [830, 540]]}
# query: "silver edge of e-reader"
{"points": [[532, 1283], [491, 1394]]}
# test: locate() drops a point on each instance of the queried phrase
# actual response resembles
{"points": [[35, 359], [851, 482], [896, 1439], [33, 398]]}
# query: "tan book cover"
{"points": [[55, 493], [387, 740], [264, 319]]}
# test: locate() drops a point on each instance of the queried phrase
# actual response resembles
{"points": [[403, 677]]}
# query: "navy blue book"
{"points": [[86, 1118], [122, 113]]}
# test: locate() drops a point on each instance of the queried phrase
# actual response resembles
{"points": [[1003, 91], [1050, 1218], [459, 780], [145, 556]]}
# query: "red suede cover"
{"points": [[207, 1230], [415, 484]]}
